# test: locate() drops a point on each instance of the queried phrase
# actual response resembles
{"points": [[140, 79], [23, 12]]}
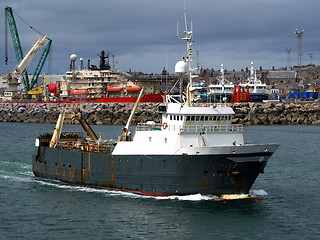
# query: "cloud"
{"points": [[142, 33]]}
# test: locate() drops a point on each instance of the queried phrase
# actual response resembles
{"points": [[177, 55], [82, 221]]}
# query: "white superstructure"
{"points": [[255, 84], [191, 130], [223, 87]]}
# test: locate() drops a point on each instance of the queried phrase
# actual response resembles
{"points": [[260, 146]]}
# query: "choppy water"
{"points": [[32, 208]]}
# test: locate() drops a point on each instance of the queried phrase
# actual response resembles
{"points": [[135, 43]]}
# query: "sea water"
{"points": [[287, 207]]}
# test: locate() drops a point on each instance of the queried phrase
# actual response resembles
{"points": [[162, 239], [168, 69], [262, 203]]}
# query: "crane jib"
{"points": [[18, 50]]}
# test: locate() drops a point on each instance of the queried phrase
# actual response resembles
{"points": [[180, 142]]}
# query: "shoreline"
{"points": [[118, 113]]}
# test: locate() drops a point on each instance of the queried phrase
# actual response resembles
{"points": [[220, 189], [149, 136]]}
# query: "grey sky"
{"points": [[142, 33]]}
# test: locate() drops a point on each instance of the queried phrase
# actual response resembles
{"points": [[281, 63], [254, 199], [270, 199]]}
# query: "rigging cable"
{"points": [[28, 24], [6, 37]]}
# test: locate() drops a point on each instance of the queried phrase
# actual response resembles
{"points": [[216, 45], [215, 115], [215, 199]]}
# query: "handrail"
{"points": [[199, 128], [69, 134]]}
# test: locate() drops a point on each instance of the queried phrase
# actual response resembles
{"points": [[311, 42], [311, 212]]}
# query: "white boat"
{"points": [[221, 92], [257, 89]]}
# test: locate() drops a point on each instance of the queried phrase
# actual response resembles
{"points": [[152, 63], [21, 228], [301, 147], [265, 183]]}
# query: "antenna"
{"points": [[188, 38], [185, 16], [177, 28]]}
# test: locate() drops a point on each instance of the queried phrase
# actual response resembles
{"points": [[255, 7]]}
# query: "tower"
{"points": [[299, 33], [289, 54], [311, 58]]}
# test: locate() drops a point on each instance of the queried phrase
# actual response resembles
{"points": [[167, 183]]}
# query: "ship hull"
{"points": [[259, 97], [147, 98], [154, 174]]}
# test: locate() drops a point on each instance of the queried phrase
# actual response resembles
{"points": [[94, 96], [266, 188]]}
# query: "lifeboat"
{"points": [[114, 89], [79, 91], [133, 89]]}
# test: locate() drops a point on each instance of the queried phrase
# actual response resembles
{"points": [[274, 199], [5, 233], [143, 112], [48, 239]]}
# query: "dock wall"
{"points": [[118, 113]]}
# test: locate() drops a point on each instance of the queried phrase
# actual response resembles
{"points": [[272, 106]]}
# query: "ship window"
{"points": [[174, 117], [230, 117], [165, 140], [197, 118], [218, 118], [201, 118], [214, 118], [188, 118], [170, 117], [206, 118], [210, 118], [192, 118]]}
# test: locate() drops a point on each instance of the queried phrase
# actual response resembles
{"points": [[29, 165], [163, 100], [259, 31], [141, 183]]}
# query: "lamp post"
{"points": [[289, 54]]}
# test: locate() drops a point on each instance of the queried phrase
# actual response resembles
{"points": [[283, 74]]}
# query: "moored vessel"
{"points": [[223, 90], [257, 89]]}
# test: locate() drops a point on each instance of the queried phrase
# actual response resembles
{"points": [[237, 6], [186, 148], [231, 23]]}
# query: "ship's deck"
{"points": [[76, 141]]}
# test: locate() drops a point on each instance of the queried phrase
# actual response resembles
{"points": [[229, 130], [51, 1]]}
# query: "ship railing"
{"points": [[149, 127], [198, 104], [213, 128], [200, 128], [87, 146], [63, 135]]}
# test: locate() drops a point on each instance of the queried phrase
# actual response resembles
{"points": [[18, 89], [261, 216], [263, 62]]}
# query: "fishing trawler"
{"points": [[195, 149], [257, 89], [223, 90]]}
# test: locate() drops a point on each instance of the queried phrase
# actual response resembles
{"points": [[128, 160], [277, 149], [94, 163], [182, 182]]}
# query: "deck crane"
{"points": [[12, 79], [18, 50]]}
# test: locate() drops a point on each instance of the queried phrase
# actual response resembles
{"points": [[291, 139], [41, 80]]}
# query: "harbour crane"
{"points": [[18, 50], [12, 79]]}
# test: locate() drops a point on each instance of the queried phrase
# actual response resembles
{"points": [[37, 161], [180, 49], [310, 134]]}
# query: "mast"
{"points": [[188, 38], [222, 80], [253, 78]]}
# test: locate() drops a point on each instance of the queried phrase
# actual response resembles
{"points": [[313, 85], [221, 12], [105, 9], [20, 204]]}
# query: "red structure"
{"points": [[241, 94]]}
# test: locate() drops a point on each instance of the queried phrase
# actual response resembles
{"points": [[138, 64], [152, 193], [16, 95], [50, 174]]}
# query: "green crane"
{"points": [[18, 50]]}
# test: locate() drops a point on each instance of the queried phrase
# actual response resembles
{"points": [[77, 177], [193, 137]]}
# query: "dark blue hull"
{"points": [[153, 175], [259, 97]]}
